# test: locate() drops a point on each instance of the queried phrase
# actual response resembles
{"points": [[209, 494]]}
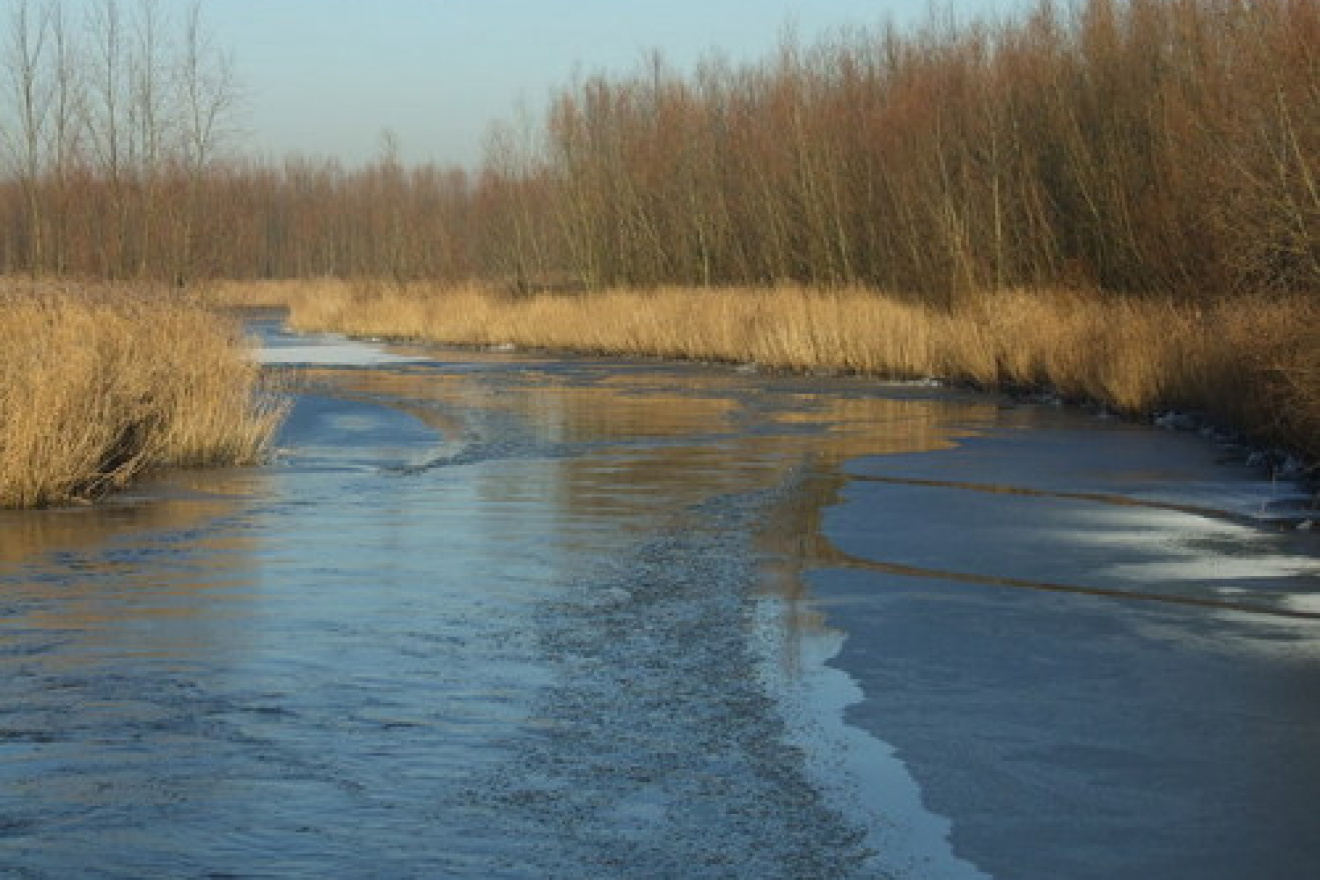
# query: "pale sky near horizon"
{"points": [[328, 77]]}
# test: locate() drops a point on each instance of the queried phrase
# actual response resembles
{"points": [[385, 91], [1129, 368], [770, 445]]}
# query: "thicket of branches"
{"points": [[1135, 145], [1140, 145], [114, 116]]}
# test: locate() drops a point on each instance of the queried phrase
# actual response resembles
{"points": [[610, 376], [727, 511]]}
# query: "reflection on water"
{"points": [[516, 616], [135, 577], [184, 499]]}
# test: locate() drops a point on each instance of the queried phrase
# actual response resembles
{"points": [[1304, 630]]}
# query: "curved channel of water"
{"points": [[502, 615]]}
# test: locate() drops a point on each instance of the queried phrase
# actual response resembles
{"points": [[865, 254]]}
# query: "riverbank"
{"points": [[99, 384], [1247, 363], [493, 614]]}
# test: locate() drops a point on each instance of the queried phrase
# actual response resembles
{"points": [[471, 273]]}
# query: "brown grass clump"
{"points": [[252, 295], [98, 385], [1249, 361]]}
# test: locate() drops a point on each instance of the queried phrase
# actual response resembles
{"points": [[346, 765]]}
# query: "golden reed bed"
{"points": [[1251, 362], [99, 383]]}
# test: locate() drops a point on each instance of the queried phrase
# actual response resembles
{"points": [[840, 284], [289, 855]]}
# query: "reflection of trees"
{"points": [[594, 457], [159, 577], [27, 535], [668, 439]]}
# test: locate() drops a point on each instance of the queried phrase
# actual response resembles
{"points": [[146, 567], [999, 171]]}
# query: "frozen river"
{"points": [[506, 615]]}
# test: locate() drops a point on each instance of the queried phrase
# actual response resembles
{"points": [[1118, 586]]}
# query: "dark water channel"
{"points": [[503, 615]]}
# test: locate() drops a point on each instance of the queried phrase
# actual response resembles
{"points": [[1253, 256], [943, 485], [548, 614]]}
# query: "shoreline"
{"points": [[1185, 370], [101, 385]]}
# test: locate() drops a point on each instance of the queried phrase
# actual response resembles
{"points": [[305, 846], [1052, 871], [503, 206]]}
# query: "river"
{"points": [[499, 614]]}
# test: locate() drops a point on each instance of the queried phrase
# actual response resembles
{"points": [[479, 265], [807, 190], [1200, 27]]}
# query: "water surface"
{"points": [[504, 615]]}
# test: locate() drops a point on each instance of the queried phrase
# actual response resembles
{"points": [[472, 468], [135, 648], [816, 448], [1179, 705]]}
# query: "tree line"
{"points": [[1168, 146], [113, 121]]}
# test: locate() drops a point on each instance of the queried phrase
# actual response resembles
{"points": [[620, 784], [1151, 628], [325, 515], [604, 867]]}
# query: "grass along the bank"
{"points": [[1249, 362], [99, 384]]}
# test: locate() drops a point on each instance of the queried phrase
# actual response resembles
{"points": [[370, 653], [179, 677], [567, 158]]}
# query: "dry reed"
{"points": [[1250, 362], [99, 385]]}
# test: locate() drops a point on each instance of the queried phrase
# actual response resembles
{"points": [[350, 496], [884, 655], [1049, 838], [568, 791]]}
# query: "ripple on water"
{"points": [[506, 617]]}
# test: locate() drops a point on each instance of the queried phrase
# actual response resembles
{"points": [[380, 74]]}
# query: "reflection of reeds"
{"points": [[1250, 361], [98, 385]]}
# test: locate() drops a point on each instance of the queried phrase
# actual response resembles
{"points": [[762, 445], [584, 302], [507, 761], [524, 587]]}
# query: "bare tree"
{"points": [[208, 97], [107, 126], [29, 89], [67, 109]]}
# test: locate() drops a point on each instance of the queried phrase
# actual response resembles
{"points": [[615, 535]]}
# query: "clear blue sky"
{"points": [[327, 77]]}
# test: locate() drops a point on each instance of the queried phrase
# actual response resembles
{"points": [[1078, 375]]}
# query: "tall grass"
{"points": [[99, 385], [1249, 362]]}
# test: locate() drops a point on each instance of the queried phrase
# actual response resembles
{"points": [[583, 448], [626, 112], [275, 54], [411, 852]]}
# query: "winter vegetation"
{"points": [[101, 383], [1149, 146], [110, 127], [1117, 198], [1250, 362]]}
